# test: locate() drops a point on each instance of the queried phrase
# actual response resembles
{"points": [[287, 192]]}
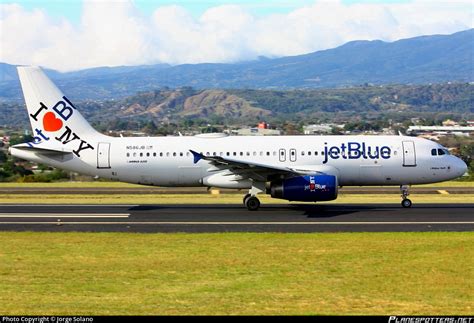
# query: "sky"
{"points": [[74, 34]]}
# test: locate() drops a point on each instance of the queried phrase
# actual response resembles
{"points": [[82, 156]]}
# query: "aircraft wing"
{"points": [[246, 169]]}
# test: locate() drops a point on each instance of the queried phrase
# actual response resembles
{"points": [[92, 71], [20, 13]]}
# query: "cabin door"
{"points": [[409, 154], [103, 155]]}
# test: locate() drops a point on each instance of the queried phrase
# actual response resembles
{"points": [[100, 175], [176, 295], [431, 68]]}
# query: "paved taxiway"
{"points": [[235, 218]]}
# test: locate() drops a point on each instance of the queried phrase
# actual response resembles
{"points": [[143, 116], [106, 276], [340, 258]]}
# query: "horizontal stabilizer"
{"points": [[43, 149]]}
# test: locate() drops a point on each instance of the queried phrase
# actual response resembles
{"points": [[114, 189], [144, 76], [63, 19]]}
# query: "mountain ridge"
{"points": [[418, 60]]}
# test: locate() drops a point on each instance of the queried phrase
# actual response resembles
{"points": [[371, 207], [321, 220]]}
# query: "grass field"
{"points": [[236, 273], [218, 199], [73, 184]]}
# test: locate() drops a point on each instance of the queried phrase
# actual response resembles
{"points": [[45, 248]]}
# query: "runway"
{"points": [[235, 218]]}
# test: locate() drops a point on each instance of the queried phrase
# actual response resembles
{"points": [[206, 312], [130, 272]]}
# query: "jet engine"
{"points": [[307, 188]]}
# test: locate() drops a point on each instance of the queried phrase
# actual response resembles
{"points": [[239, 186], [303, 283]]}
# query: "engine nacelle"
{"points": [[308, 188]]}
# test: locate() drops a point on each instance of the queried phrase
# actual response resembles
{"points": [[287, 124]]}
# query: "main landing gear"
{"points": [[404, 189], [251, 202], [250, 199]]}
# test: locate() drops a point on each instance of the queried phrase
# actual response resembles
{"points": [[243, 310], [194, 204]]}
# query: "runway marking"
{"points": [[443, 192], [243, 223], [64, 215]]}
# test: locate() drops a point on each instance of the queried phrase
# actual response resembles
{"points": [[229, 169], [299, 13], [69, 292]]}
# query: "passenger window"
{"points": [[302, 153], [315, 153], [174, 154], [148, 154], [141, 154], [227, 153], [161, 154], [128, 154], [433, 152], [234, 153], [154, 154], [309, 153], [268, 153], [181, 154], [241, 153]]}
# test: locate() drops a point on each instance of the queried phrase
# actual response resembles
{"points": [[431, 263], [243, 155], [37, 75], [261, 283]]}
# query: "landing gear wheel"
{"points": [[406, 203], [252, 203], [405, 190], [246, 196]]}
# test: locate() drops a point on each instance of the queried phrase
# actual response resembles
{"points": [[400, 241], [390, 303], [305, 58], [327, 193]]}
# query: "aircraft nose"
{"points": [[460, 166]]}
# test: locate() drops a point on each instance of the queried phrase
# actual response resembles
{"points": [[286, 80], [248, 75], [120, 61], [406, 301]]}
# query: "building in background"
{"points": [[455, 130], [321, 129], [262, 129]]}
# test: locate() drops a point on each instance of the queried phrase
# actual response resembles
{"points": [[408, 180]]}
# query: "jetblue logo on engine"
{"points": [[355, 150], [313, 186], [54, 121]]}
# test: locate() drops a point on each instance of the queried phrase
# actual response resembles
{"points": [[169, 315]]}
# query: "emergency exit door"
{"points": [[293, 155], [409, 154], [282, 155], [103, 155]]}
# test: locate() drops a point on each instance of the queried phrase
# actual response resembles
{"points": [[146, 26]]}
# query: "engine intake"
{"points": [[308, 188]]}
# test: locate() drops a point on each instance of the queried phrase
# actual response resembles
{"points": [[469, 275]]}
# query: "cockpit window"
{"points": [[439, 152], [443, 152]]}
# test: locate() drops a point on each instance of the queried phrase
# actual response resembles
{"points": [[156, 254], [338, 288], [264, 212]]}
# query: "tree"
{"points": [[466, 153], [150, 128], [15, 140], [3, 156]]}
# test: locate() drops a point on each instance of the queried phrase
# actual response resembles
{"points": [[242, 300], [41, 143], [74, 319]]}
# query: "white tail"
{"points": [[54, 119]]}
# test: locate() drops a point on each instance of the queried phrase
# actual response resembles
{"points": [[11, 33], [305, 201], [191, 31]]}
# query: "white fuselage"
{"points": [[167, 161]]}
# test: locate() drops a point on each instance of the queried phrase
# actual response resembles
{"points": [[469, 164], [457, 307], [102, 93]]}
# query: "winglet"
{"points": [[197, 156]]}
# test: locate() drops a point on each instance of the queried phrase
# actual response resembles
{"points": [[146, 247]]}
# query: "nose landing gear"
{"points": [[406, 202]]}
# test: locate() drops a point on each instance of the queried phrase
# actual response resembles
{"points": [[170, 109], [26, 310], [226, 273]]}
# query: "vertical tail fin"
{"points": [[53, 117]]}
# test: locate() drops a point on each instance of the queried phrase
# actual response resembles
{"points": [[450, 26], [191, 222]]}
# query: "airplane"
{"points": [[294, 168]]}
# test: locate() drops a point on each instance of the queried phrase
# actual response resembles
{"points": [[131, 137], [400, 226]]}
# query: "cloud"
{"points": [[119, 34]]}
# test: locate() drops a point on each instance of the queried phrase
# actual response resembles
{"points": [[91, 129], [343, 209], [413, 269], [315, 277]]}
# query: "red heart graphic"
{"points": [[51, 123]]}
